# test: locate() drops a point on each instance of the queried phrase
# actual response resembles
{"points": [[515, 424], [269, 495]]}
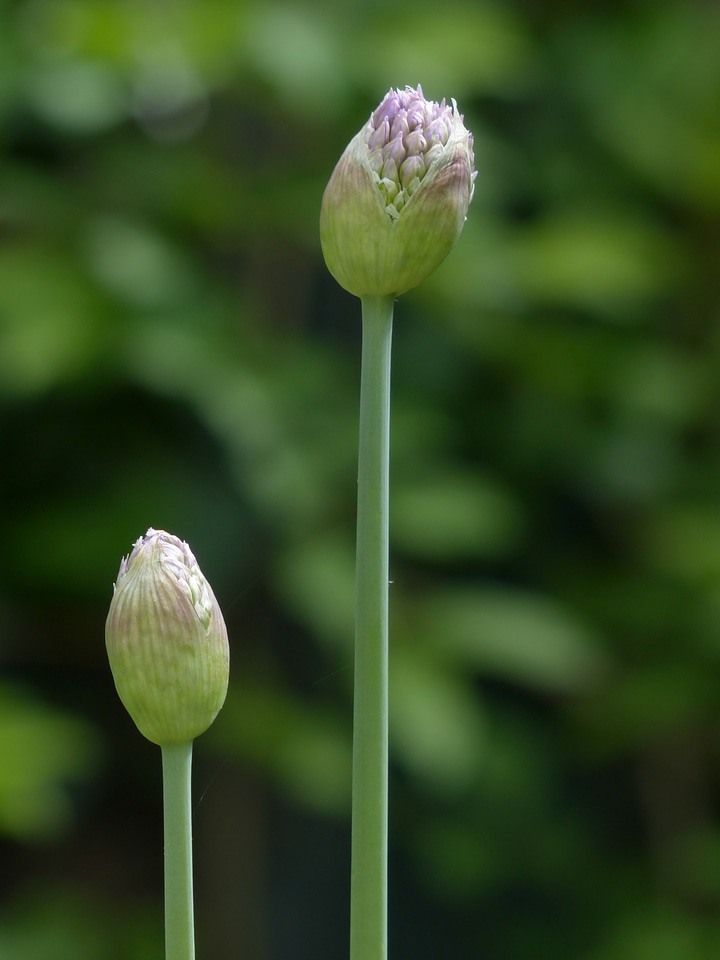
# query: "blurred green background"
{"points": [[173, 353]]}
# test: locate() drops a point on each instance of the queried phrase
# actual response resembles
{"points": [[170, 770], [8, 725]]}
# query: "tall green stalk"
{"points": [[179, 916], [368, 893]]}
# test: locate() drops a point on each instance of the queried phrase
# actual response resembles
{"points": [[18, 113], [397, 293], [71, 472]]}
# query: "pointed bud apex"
{"points": [[166, 641], [398, 197]]}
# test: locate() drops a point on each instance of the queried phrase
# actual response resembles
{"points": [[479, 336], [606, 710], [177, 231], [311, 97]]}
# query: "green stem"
{"points": [[368, 888], [179, 920]]}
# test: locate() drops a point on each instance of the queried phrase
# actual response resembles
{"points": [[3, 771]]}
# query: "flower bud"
{"points": [[398, 197], [167, 641]]}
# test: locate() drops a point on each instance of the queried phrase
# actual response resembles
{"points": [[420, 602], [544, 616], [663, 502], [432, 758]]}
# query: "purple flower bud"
{"points": [[411, 174], [390, 170], [380, 136], [398, 197]]}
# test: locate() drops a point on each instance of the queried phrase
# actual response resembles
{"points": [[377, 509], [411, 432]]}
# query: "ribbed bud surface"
{"points": [[166, 641]]}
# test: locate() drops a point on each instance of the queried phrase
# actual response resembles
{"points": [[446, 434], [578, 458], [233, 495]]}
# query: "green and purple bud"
{"points": [[398, 197], [166, 641]]}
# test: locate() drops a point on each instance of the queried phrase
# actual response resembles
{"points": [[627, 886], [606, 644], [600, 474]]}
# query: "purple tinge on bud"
{"points": [[417, 126], [166, 641], [398, 198]]}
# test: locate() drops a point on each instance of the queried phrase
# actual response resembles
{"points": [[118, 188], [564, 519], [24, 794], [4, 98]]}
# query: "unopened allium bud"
{"points": [[398, 197], [167, 641]]}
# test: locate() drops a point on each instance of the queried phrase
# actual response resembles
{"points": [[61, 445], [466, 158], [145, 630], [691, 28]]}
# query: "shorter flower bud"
{"points": [[167, 641], [398, 197]]}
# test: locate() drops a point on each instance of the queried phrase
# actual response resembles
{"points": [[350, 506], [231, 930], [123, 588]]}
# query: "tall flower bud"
{"points": [[167, 641], [398, 197]]}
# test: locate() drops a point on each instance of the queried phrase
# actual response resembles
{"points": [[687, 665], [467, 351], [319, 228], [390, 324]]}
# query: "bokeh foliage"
{"points": [[172, 353]]}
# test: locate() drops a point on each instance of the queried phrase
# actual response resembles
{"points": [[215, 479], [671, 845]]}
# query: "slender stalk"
{"points": [[179, 918], [368, 888]]}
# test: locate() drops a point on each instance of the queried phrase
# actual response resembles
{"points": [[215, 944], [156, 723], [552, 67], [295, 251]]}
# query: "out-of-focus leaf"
{"points": [[78, 97], [436, 722], [593, 262], [42, 751], [296, 50], [318, 580], [454, 516], [490, 50], [650, 86], [137, 265], [51, 320], [512, 634]]}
